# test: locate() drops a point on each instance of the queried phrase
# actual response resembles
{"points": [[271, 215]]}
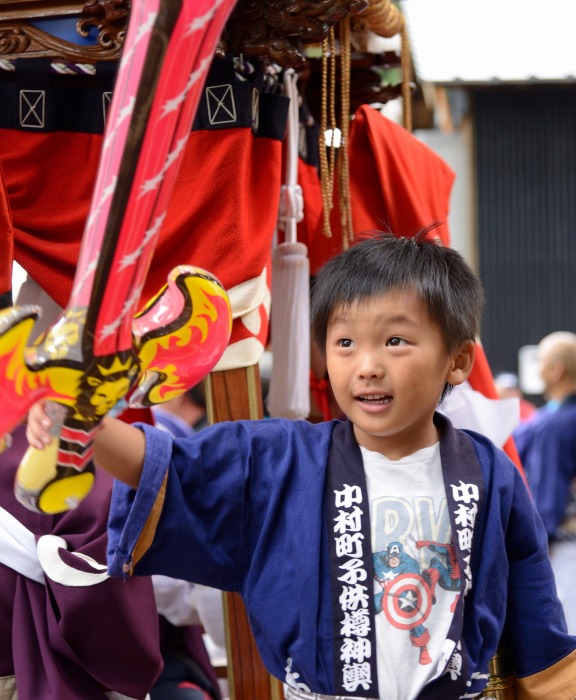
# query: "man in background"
{"points": [[184, 415], [548, 453]]}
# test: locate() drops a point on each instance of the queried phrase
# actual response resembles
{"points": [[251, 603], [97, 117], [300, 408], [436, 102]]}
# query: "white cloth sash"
{"points": [[19, 551], [18, 547], [291, 693]]}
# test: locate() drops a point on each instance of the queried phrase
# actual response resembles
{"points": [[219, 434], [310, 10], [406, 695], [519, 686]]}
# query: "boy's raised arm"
{"points": [[119, 447]]}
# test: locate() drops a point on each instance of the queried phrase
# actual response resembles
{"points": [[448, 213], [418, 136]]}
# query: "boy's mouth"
{"points": [[374, 398]]}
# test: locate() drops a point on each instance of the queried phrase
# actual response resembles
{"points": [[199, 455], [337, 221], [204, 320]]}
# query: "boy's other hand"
{"points": [[38, 426], [5, 442]]}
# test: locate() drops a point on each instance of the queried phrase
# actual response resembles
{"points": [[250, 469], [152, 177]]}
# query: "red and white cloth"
{"points": [[221, 217]]}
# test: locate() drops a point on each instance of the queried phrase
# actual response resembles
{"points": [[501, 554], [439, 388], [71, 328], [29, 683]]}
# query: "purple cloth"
{"points": [[65, 642]]}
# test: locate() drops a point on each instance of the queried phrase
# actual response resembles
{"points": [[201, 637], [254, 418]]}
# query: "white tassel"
{"points": [[289, 393]]}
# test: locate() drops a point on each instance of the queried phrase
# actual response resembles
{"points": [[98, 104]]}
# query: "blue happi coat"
{"points": [[240, 506], [550, 462]]}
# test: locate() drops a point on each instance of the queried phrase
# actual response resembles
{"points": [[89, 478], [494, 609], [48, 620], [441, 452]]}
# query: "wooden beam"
{"points": [[39, 9]]}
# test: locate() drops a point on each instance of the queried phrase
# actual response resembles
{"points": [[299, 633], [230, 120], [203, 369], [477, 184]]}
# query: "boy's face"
{"points": [[388, 363]]}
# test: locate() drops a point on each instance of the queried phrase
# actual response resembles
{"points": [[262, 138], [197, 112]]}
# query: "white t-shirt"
{"points": [[418, 578]]}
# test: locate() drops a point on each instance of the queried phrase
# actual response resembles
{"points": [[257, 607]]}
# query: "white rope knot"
{"points": [[291, 204]]}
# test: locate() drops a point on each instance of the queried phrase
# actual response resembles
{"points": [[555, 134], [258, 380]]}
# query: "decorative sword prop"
{"points": [[100, 348]]}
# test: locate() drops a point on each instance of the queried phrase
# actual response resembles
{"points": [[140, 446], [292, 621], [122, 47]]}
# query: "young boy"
{"points": [[383, 556]]}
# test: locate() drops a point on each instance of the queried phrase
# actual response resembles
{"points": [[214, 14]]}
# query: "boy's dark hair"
{"points": [[382, 263]]}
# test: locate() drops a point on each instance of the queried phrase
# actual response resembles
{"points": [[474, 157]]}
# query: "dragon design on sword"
{"points": [[103, 347]]}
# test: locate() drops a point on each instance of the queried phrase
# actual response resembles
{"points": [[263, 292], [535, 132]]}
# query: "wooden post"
{"points": [[236, 395], [502, 681]]}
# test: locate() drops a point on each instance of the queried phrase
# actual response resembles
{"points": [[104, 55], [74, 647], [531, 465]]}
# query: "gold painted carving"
{"points": [[279, 29]]}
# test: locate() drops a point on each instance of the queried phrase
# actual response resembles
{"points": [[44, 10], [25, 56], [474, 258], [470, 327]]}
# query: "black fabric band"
{"points": [[351, 568], [6, 299], [37, 100]]}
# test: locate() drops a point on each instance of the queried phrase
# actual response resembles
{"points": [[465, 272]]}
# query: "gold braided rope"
{"points": [[376, 10], [333, 126], [406, 66], [326, 166], [386, 20], [344, 170]]}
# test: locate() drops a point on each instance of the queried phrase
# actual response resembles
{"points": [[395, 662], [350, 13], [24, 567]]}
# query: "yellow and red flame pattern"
{"points": [[191, 311], [178, 337]]}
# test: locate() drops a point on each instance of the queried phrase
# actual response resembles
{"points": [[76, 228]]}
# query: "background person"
{"points": [[508, 386], [549, 457]]}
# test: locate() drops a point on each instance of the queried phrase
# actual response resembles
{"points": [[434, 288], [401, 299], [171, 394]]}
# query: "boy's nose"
{"points": [[370, 367]]}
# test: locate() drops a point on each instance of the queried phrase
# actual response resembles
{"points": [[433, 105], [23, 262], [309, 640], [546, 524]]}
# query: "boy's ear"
{"points": [[462, 363]]}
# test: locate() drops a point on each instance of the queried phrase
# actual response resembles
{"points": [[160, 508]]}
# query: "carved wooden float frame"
{"points": [[20, 38]]}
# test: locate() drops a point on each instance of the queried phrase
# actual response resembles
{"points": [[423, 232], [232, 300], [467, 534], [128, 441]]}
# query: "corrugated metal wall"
{"points": [[525, 150]]}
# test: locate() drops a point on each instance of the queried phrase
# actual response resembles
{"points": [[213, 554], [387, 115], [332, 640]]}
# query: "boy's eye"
{"points": [[345, 343], [395, 341]]}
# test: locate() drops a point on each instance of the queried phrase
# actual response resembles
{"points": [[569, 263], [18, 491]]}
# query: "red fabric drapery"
{"points": [[6, 240], [397, 184], [221, 216]]}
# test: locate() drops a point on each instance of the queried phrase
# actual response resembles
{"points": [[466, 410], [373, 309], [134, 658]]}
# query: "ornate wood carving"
{"points": [[110, 17], [271, 29], [21, 39], [278, 29]]}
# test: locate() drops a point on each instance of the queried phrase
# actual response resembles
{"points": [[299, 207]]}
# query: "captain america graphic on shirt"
{"points": [[407, 593]]}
